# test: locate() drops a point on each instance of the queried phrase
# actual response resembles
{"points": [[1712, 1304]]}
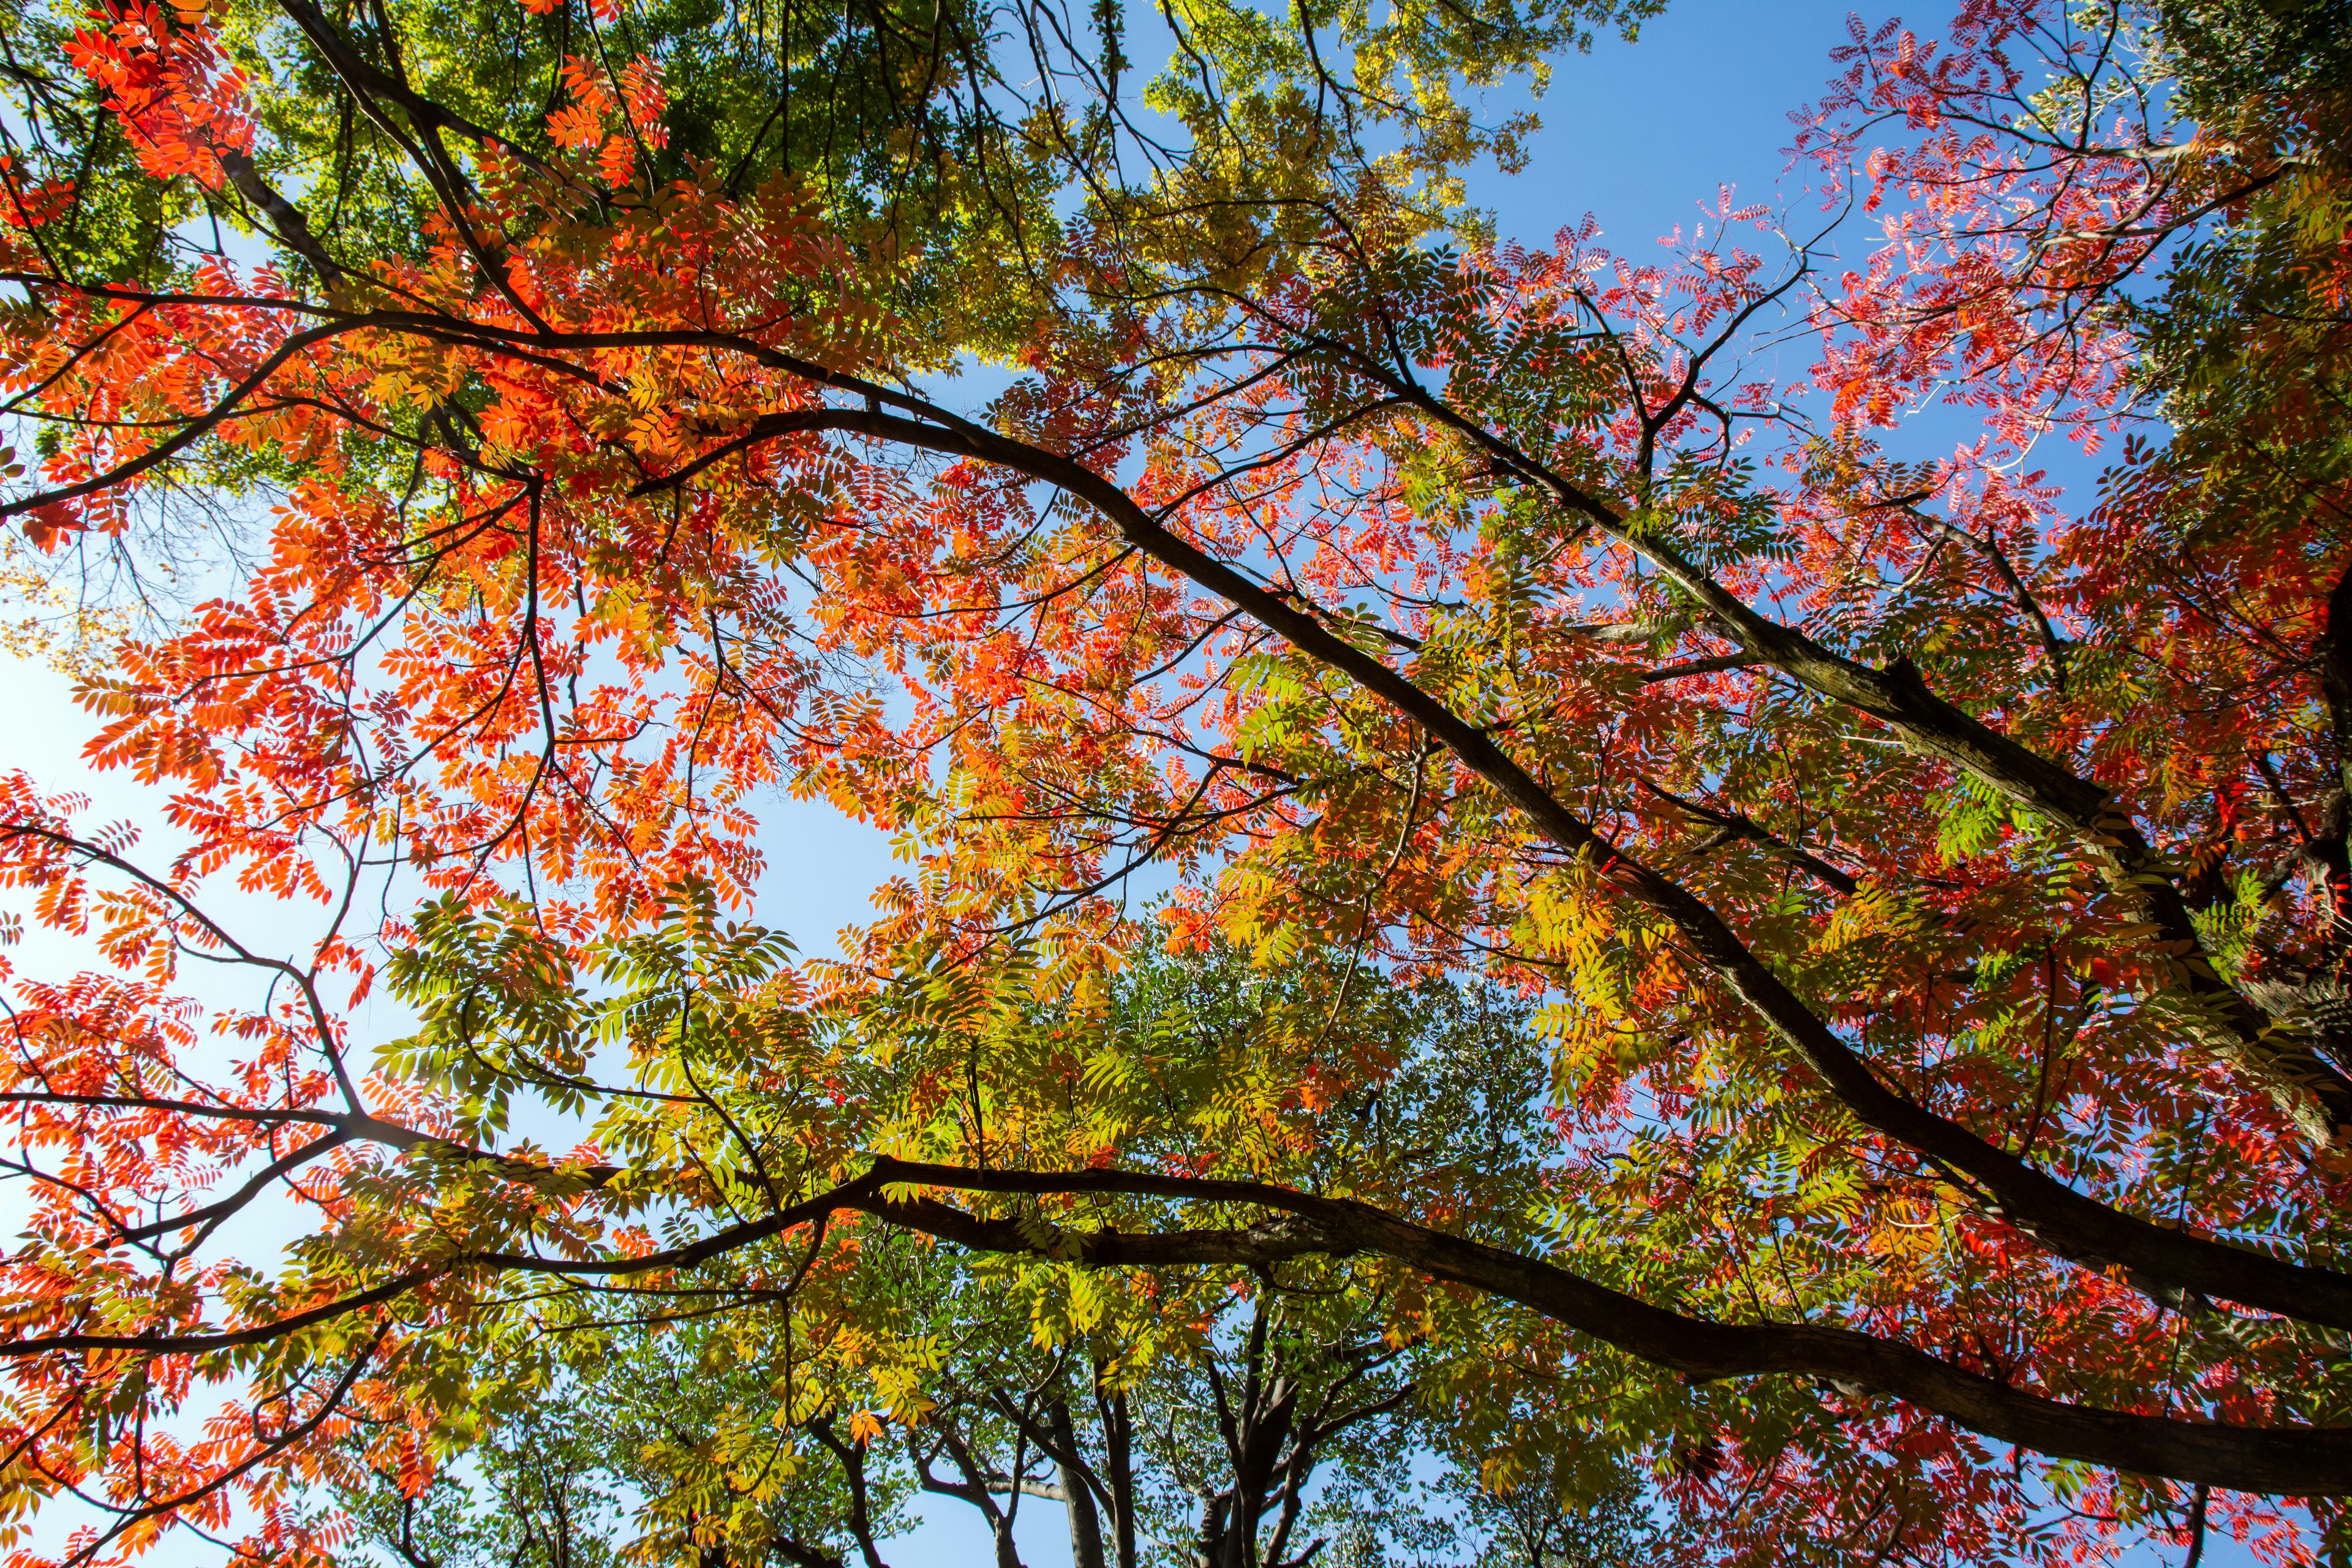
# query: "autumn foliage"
{"points": [[1926, 876]]}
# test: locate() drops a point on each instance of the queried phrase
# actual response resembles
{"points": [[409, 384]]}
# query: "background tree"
{"points": [[1552, 1520], [1204, 1416], [539, 1499]]}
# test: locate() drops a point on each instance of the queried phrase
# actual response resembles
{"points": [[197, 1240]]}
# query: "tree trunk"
{"points": [[1119, 1468], [1085, 1523]]}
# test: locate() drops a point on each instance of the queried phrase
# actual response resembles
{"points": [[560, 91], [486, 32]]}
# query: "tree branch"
{"points": [[2282, 1461], [2072, 1226]]}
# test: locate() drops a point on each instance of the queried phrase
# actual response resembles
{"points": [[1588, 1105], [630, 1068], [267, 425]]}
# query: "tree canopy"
{"points": [[1553, 899]]}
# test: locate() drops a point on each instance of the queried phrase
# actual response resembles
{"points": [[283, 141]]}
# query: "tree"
{"points": [[1542, 1523], [1931, 885], [1212, 1417], [545, 1504]]}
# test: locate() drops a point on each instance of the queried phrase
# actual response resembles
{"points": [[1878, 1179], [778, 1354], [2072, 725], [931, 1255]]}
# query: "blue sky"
{"points": [[1638, 134]]}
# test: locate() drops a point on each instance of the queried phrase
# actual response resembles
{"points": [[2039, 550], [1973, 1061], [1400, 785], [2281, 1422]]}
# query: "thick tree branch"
{"points": [[233, 1339], [2070, 1224], [285, 219], [366, 79], [2285, 1461], [2315, 1094]]}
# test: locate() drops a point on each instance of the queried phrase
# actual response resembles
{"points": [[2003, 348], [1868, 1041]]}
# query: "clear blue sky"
{"points": [[1638, 134]]}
